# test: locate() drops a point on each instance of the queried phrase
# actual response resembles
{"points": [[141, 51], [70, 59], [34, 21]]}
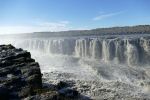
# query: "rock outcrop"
{"points": [[21, 78], [20, 75]]}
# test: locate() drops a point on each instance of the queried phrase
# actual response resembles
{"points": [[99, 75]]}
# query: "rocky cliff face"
{"points": [[21, 78], [20, 75]]}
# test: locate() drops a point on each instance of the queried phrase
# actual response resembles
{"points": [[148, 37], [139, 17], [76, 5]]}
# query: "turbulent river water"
{"points": [[108, 66]]}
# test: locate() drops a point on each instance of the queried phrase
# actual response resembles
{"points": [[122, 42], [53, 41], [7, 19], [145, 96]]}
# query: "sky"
{"points": [[25, 16]]}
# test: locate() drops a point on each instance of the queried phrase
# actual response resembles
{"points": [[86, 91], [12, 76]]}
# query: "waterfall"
{"points": [[130, 51], [96, 49], [132, 54], [81, 48], [50, 46], [120, 51]]}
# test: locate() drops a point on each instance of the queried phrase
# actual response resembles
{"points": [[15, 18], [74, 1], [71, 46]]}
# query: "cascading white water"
{"points": [[98, 59], [132, 54], [96, 49], [128, 51], [81, 48], [110, 49]]}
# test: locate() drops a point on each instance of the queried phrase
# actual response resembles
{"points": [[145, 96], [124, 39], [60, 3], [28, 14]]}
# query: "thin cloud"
{"points": [[104, 16], [55, 26], [38, 27]]}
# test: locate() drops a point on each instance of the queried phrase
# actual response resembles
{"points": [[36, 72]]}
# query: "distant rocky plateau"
{"points": [[21, 78]]}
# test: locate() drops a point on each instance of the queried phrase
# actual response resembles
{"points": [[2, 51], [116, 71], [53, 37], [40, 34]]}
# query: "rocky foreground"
{"points": [[21, 78]]}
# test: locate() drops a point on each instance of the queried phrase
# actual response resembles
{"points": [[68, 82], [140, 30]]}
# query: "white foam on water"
{"points": [[92, 59]]}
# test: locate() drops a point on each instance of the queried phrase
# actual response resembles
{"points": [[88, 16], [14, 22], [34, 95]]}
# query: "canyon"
{"points": [[108, 66]]}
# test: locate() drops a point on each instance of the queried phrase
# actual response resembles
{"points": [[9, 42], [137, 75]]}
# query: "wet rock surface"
{"points": [[21, 78], [100, 90], [20, 75]]}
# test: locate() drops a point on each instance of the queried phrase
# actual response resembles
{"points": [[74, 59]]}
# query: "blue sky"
{"points": [[21, 16]]}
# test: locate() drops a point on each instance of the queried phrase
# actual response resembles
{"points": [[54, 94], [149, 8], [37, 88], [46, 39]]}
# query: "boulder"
{"points": [[61, 85], [68, 92]]}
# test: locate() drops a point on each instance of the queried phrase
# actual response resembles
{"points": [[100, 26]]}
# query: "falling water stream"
{"points": [[104, 59]]}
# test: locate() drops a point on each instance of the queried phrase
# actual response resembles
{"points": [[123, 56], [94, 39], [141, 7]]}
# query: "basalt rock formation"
{"points": [[20, 75], [21, 78]]}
